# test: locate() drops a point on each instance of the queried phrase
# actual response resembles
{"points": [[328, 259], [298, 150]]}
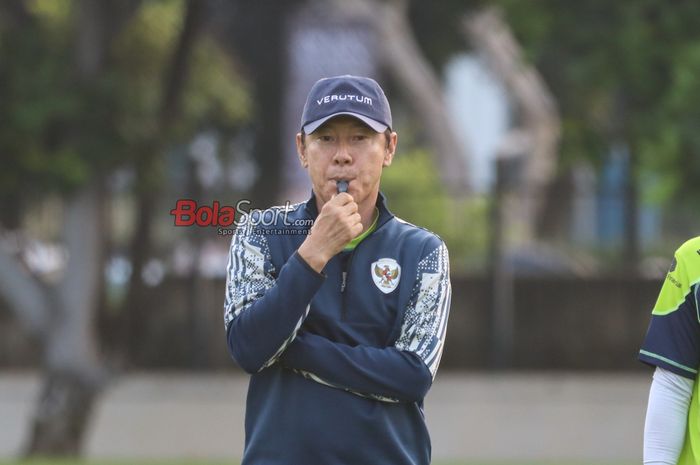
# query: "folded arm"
{"points": [[400, 373], [263, 312]]}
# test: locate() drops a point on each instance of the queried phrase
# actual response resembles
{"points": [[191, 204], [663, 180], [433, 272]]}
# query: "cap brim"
{"points": [[376, 125]]}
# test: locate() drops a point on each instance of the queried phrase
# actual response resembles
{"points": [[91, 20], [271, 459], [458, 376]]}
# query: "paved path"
{"points": [[534, 417]]}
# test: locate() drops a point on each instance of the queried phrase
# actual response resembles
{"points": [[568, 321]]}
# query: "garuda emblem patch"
{"points": [[386, 274]]}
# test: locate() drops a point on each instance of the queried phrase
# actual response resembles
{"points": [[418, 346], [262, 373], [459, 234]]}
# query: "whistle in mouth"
{"points": [[342, 186]]}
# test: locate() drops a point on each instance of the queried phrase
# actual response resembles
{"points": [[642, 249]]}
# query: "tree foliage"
{"points": [[87, 87], [623, 72], [415, 194], [57, 131]]}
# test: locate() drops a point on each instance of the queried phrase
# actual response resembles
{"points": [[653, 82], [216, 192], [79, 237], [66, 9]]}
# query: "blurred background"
{"points": [[553, 145]]}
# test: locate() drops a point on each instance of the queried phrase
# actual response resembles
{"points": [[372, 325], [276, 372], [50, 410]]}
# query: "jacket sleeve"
{"points": [[263, 310], [400, 373]]}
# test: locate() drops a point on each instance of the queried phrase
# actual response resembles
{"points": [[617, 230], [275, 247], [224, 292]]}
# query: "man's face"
{"points": [[346, 148]]}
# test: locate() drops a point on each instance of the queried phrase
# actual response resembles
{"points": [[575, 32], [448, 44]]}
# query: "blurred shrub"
{"points": [[415, 194]]}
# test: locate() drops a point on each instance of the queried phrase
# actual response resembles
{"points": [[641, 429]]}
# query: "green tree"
{"points": [[416, 194], [622, 72], [87, 87]]}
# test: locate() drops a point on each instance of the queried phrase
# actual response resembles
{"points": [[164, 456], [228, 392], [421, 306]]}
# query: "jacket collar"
{"points": [[384, 213]]}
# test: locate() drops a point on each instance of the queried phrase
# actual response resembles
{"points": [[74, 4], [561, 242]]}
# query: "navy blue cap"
{"points": [[356, 96]]}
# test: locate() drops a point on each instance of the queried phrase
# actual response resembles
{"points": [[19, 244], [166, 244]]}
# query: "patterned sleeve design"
{"points": [[249, 274], [252, 286], [425, 323]]}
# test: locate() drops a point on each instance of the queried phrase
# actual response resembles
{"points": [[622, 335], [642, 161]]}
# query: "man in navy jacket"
{"points": [[337, 308]]}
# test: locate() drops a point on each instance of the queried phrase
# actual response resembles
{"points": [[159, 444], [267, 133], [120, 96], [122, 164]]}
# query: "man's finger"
{"points": [[342, 199], [350, 208]]}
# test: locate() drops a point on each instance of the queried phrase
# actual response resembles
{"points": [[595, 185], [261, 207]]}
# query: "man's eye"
{"points": [[325, 138], [359, 137]]}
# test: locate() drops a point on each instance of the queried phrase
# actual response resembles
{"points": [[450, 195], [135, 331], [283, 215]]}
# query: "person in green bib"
{"points": [[672, 346]]}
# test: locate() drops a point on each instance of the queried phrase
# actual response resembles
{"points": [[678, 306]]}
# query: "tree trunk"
{"points": [[502, 273], [632, 248], [73, 377], [140, 250], [256, 33], [149, 182], [62, 414], [537, 113], [403, 59], [62, 316]]}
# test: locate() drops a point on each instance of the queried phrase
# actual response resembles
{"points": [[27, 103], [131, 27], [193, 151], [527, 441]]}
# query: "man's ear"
{"points": [[301, 151], [390, 149]]}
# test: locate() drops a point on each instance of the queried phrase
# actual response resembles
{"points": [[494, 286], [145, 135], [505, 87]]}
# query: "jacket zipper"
{"points": [[344, 285], [345, 279]]}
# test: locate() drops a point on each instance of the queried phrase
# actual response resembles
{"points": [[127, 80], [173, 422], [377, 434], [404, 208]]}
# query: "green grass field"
{"points": [[205, 462]]}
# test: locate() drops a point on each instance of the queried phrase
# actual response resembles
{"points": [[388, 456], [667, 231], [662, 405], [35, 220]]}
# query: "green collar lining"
{"points": [[353, 243]]}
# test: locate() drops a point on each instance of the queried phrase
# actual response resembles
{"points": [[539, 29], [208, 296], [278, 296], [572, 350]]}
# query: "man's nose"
{"points": [[342, 155]]}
